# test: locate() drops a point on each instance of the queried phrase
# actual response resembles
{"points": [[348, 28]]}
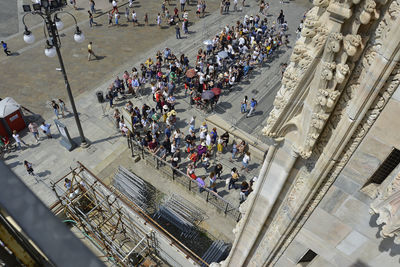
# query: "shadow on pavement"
{"points": [[105, 139], [43, 173]]}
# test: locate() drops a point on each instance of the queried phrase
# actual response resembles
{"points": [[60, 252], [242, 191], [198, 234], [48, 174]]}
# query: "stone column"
{"points": [[277, 165]]}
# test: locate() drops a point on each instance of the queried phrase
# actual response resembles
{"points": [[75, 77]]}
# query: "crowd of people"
{"points": [[227, 60]]}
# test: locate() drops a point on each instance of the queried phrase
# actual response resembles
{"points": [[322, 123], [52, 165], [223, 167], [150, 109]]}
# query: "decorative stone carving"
{"points": [[341, 71], [368, 11], [299, 51], [370, 117], [334, 42], [327, 69], [311, 24], [387, 206], [327, 98], [321, 3], [352, 46], [351, 43]]}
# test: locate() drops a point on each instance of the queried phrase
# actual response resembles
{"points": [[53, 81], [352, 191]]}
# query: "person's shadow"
{"points": [[13, 54], [100, 57], [43, 173]]}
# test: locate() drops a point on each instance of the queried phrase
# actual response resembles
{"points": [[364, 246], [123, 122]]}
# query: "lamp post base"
{"points": [[85, 144]]}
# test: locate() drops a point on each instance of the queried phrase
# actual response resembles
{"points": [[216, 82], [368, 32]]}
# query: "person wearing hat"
{"points": [[201, 149], [204, 126]]}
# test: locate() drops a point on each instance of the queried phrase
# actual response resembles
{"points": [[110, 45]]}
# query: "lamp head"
{"points": [[29, 38], [79, 37], [59, 23], [50, 50]]}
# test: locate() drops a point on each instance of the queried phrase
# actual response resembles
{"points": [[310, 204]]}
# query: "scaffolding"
{"points": [[103, 217]]}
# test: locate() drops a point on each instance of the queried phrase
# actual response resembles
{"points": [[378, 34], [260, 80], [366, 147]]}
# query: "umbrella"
{"points": [[207, 42], [207, 95], [155, 116], [216, 91], [223, 54], [191, 73]]}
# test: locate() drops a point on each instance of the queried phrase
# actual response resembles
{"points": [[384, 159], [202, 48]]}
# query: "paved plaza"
{"points": [[31, 79]]}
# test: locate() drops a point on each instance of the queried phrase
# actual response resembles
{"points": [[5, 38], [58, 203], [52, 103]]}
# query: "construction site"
{"points": [[130, 223]]}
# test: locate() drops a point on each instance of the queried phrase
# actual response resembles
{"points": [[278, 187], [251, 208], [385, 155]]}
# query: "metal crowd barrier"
{"points": [[177, 175]]}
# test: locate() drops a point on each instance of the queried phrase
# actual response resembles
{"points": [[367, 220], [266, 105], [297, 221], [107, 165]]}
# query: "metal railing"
{"points": [[177, 175]]}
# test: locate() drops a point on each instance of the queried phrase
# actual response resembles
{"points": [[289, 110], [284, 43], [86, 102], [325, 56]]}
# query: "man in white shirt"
{"points": [[46, 129], [18, 139]]}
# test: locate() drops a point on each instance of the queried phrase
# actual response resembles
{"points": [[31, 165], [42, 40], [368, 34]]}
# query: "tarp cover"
{"points": [[8, 106]]}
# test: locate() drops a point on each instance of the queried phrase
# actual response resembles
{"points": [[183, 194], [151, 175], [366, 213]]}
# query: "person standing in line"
{"points": [[245, 161], [90, 51], [213, 182], [5, 48], [201, 183], [253, 104], [177, 31], [62, 107], [234, 151], [55, 107], [218, 170], [146, 19], [33, 128], [46, 130], [18, 139], [234, 178]]}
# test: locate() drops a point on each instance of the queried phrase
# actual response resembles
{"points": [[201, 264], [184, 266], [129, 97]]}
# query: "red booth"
{"points": [[11, 117]]}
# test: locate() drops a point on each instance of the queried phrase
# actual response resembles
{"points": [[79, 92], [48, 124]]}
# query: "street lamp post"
{"points": [[49, 10]]}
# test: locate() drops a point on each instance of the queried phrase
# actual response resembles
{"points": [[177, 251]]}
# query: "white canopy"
{"points": [[8, 106]]}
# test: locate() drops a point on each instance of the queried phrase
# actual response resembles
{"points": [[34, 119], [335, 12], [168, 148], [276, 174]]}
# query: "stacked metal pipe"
{"points": [[182, 214], [218, 251], [133, 187]]}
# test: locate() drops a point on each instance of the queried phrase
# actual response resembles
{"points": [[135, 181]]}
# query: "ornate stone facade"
{"points": [[344, 51]]}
